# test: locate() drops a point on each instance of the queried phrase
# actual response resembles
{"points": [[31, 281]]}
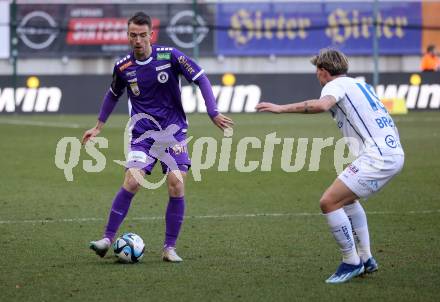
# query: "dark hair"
{"points": [[430, 48], [140, 18], [332, 60]]}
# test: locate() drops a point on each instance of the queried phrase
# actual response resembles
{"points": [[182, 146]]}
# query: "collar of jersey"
{"points": [[144, 62]]}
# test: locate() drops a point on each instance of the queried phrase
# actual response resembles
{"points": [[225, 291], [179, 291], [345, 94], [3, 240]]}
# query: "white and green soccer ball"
{"points": [[129, 248]]}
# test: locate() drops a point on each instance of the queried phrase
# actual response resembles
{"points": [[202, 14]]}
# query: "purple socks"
{"points": [[173, 217], [173, 220], [119, 210]]}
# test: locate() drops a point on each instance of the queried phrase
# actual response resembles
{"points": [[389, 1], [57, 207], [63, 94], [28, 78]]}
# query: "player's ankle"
{"points": [[351, 258]]}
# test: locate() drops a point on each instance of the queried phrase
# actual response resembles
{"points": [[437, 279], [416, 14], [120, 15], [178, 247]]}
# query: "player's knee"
{"points": [[131, 184], [326, 203], [175, 188], [175, 181]]}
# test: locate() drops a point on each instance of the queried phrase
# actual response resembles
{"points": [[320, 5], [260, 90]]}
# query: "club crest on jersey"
{"points": [[134, 87], [162, 77]]}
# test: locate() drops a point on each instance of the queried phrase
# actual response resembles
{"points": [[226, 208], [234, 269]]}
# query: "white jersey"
{"points": [[362, 118]]}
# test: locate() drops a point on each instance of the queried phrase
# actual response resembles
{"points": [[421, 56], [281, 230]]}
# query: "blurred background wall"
{"points": [[251, 49]]}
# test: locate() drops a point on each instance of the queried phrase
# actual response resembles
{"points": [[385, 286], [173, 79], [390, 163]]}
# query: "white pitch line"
{"points": [[23, 122], [52, 124], [39, 123], [256, 215]]}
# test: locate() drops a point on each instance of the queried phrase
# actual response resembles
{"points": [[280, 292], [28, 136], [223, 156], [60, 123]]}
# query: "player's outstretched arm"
{"points": [[217, 118], [309, 106]]}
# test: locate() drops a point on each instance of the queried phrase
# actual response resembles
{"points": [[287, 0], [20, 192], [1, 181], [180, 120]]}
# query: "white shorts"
{"points": [[367, 174]]}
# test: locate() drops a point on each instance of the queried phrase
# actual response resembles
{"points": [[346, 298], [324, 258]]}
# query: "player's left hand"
{"points": [[269, 107], [222, 121]]}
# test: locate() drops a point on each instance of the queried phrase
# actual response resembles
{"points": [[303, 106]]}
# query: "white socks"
{"points": [[358, 219], [341, 228]]}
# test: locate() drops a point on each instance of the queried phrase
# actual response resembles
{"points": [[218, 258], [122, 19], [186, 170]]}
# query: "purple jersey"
{"points": [[154, 87]]}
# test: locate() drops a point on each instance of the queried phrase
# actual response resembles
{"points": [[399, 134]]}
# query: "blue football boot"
{"points": [[346, 272], [371, 265]]}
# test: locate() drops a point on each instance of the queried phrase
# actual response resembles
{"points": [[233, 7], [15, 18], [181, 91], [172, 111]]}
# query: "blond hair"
{"points": [[332, 60]]}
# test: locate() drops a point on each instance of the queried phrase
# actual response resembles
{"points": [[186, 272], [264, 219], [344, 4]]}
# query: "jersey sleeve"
{"points": [[117, 86], [334, 89], [186, 66]]}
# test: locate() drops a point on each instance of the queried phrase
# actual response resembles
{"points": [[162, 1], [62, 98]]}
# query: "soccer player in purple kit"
{"points": [[151, 76]]}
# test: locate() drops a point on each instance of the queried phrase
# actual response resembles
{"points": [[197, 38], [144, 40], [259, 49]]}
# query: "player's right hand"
{"points": [[268, 107], [89, 134], [222, 121]]}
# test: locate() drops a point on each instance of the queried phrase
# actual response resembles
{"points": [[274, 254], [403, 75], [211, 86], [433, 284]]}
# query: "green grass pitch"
{"points": [[232, 251]]}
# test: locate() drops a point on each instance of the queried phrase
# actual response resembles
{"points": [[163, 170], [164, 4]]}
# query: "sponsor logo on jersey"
{"points": [[353, 169], [370, 185], [184, 62], [163, 56], [125, 66], [391, 141], [162, 67], [131, 73], [162, 77], [373, 184]]}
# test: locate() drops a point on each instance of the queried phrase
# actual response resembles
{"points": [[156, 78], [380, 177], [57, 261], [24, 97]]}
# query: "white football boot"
{"points": [[169, 254], [100, 246]]}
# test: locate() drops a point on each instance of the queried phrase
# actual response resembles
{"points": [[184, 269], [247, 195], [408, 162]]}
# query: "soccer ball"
{"points": [[129, 248]]}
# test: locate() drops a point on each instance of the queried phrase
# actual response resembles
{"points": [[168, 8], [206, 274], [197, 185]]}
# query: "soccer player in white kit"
{"points": [[372, 137]]}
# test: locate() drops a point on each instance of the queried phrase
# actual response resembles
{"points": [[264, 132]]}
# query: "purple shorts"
{"points": [[172, 154]]}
